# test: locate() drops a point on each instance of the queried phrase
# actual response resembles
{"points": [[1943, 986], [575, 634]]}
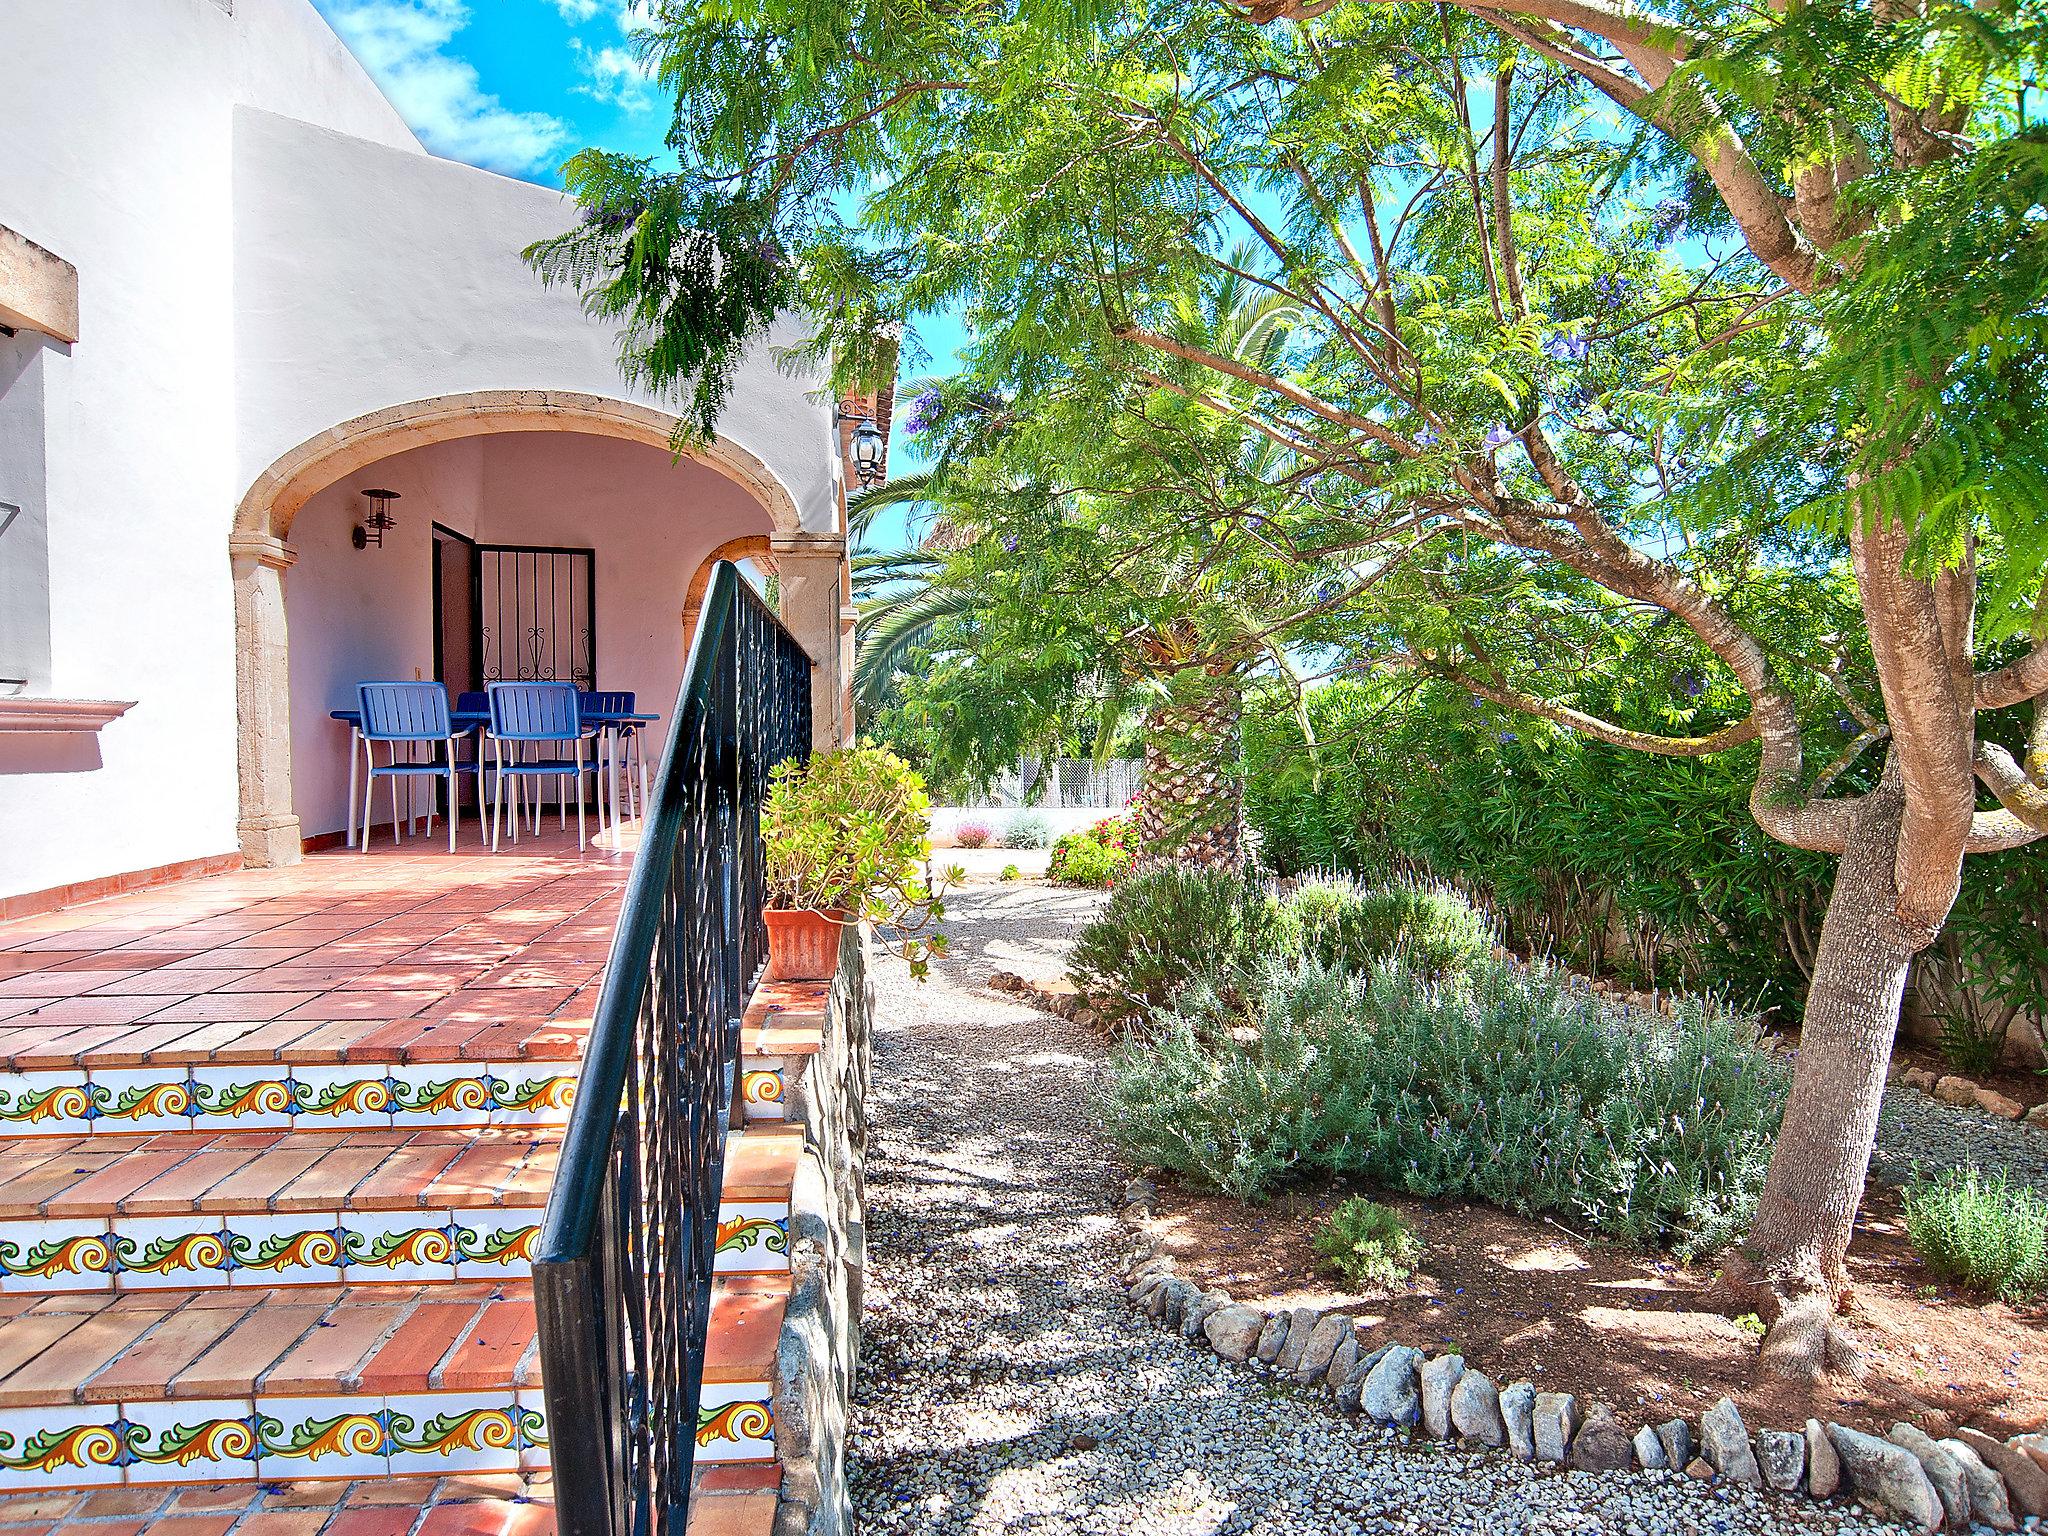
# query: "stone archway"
{"points": [[757, 547], [267, 826]]}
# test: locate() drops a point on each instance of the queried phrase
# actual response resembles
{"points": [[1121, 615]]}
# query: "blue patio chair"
{"points": [[525, 714], [410, 715], [625, 736]]}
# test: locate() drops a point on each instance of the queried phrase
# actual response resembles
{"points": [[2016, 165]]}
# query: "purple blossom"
{"points": [[924, 413], [1690, 684], [1566, 348], [1668, 217], [1426, 437], [1846, 724], [1499, 436], [1612, 291], [1508, 738], [1010, 542]]}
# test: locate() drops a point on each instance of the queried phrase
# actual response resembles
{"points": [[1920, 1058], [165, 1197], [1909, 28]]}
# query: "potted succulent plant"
{"points": [[845, 839]]}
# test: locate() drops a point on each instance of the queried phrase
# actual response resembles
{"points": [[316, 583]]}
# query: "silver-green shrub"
{"points": [[1498, 1084]]}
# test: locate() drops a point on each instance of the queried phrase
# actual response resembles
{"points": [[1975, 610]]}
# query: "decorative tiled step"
{"points": [[349, 1096], [783, 1029], [191, 1210], [504, 1024], [753, 1207], [736, 1420], [461, 1504], [281, 1384]]}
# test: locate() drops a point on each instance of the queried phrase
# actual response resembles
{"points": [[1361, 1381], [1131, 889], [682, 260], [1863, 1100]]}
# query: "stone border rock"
{"points": [[1926, 1483], [1965, 1093]]}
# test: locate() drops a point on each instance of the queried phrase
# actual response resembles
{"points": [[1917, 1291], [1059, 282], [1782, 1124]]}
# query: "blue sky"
{"points": [[516, 86]]}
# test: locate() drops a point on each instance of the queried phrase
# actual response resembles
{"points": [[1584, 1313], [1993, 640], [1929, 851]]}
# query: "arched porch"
{"points": [[564, 473]]}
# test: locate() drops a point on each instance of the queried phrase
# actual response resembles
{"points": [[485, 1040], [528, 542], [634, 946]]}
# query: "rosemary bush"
{"points": [[1500, 1085], [1981, 1231]]}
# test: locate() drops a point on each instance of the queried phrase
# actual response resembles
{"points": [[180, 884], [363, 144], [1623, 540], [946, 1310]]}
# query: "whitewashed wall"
{"points": [[235, 302], [366, 277], [117, 120]]}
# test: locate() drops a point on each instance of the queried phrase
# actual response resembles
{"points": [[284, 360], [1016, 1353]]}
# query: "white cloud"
{"points": [[404, 43], [617, 75], [575, 11]]}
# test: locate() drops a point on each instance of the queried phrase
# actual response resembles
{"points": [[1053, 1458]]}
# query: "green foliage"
{"points": [[1368, 1245], [1500, 1085], [1427, 923], [1028, 829], [849, 832], [1080, 858], [1619, 863], [1981, 1231], [1010, 872], [1167, 927]]}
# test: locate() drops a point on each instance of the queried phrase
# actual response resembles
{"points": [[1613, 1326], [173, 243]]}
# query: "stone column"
{"points": [[811, 573], [269, 831]]}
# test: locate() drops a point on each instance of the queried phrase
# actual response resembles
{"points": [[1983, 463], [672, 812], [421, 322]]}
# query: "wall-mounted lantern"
{"points": [[870, 443], [371, 530]]}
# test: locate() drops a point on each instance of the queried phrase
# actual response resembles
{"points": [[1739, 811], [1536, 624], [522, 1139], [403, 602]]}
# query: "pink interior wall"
{"points": [[357, 615]]}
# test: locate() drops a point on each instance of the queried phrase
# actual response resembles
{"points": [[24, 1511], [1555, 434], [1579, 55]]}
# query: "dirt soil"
{"points": [[1523, 1298]]}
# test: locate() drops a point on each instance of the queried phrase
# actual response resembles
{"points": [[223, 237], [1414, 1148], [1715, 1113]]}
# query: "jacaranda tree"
{"points": [[1621, 306]]}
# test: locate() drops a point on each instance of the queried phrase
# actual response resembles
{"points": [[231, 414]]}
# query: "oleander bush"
{"points": [[974, 834], [1498, 1084], [1079, 858], [1981, 1231], [1166, 928], [1430, 923], [1028, 829], [1369, 1245]]}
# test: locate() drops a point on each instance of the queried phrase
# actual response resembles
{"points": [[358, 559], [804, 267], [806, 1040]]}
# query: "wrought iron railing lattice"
{"points": [[623, 1273]]}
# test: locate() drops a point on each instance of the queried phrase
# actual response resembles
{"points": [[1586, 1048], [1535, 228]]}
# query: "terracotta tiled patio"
{"points": [[273, 1151]]}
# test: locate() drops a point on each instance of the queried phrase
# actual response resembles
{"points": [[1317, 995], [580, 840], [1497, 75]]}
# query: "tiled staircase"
{"points": [[258, 1267]]}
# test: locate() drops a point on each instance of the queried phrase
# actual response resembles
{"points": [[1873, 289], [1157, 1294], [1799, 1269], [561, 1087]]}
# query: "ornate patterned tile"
{"points": [[189, 1441], [295, 1248], [753, 1238], [533, 1093], [252, 1098], [494, 1244], [761, 1091], [442, 1093], [398, 1245], [56, 1256], [347, 1097], [736, 1422], [170, 1252], [45, 1104], [142, 1099], [320, 1437], [437, 1432], [59, 1447]]}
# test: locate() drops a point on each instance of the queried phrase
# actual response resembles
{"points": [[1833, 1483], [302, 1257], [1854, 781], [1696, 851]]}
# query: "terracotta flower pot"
{"points": [[803, 945]]}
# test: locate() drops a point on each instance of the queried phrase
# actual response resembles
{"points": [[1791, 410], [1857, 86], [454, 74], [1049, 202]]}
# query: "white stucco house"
{"points": [[236, 293]]}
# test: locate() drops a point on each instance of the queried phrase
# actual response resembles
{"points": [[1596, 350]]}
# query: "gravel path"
{"points": [[1919, 1134], [1007, 1385]]}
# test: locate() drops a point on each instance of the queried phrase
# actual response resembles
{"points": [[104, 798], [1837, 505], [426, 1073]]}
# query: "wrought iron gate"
{"points": [[536, 609]]}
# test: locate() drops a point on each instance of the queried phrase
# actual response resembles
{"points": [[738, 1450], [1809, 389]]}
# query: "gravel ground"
{"points": [[1915, 1132], [1008, 1386]]}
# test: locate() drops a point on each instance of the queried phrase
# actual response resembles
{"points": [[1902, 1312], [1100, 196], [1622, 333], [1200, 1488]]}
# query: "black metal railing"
{"points": [[623, 1273]]}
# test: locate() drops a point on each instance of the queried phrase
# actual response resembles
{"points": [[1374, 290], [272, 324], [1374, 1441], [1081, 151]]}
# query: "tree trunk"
{"points": [[1191, 809], [1792, 1268]]}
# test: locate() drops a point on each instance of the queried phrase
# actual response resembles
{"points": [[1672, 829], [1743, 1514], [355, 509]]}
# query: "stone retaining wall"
{"points": [[820, 1344]]}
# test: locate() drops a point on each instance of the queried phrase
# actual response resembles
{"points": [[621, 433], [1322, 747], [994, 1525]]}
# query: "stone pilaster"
{"points": [[811, 575], [268, 830]]}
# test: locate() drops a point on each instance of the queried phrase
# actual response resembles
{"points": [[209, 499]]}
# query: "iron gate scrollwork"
{"points": [[536, 614], [623, 1273]]}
